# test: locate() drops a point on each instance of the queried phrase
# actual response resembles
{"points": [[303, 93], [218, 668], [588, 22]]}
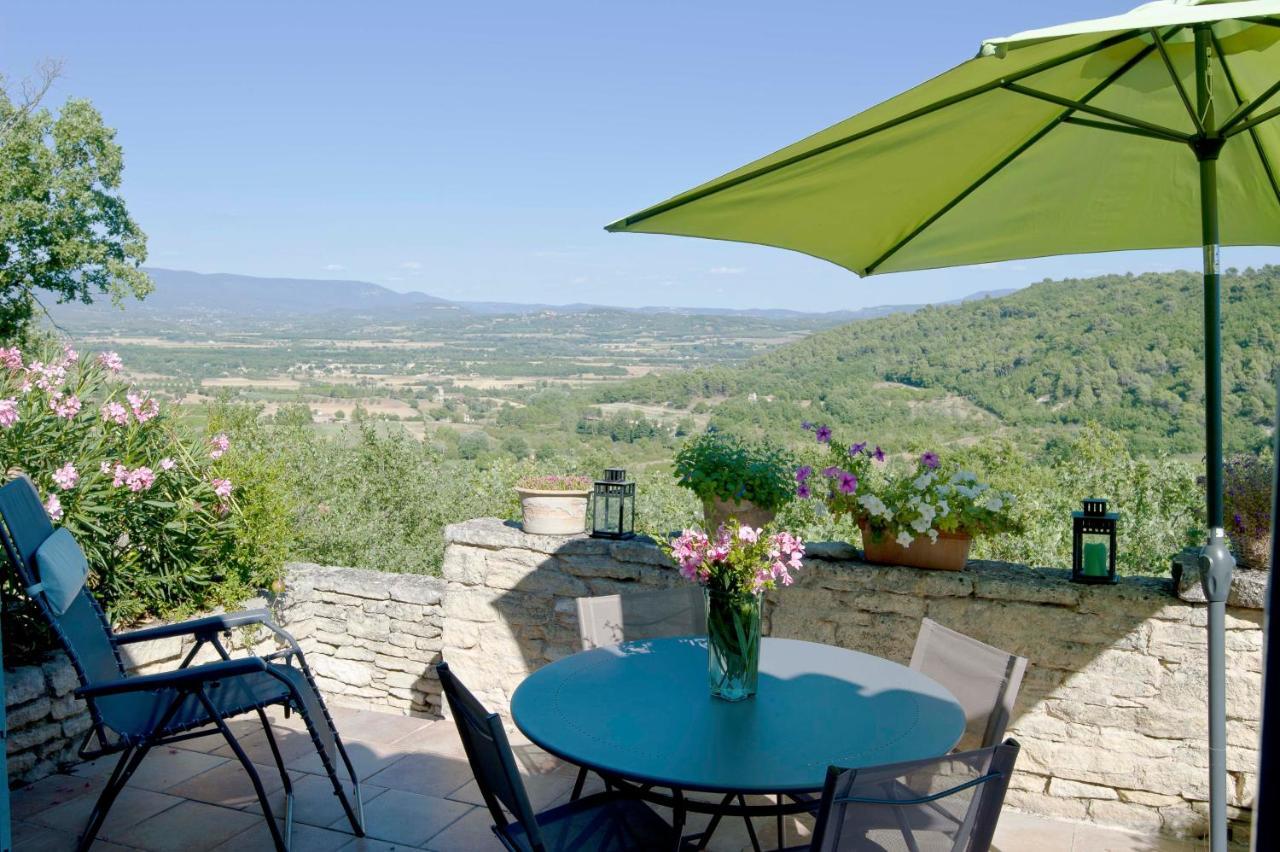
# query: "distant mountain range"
{"points": [[182, 293]]}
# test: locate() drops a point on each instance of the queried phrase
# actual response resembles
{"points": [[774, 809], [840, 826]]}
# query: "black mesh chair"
{"points": [[133, 714], [609, 821], [945, 804]]}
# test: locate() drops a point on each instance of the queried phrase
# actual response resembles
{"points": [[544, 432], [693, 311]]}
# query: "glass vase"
{"points": [[733, 643]]}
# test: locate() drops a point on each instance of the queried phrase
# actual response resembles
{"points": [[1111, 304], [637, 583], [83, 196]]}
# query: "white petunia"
{"points": [[933, 536], [923, 481], [905, 538], [994, 504]]}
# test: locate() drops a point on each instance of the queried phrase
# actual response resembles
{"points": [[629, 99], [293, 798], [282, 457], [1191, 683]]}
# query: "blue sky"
{"points": [[475, 150]]}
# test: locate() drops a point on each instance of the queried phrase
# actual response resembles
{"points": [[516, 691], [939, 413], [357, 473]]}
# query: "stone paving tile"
{"points": [[294, 745], [425, 773], [51, 792], [306, 838], [367, 758], [543, 790], [29, 837], [371, 727], [164, 767], [440, 737], [188, 827], [314, 802], [131, 807], [227, 785], [407, 818], [472, 832], [1017, 831]]}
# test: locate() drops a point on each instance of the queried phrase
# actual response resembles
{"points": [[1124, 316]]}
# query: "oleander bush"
{"points": [[165, 526]]}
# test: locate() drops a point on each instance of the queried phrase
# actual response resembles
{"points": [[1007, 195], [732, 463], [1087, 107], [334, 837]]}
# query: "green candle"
{"points": [[1095, 560]]}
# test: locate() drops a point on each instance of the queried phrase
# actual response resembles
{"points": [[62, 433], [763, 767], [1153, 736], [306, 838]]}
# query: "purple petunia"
{"points": [[830, 472], [878, 455], [929, 460], [806, 426], [803, 473], [848, 482], [803, 492], [823, 434], [857, 448]]}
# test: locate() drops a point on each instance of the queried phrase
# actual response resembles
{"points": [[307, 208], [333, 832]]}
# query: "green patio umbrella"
{"points": [[1148, 130]]}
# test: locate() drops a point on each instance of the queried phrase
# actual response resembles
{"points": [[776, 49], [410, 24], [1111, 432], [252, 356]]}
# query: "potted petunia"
{"points": [[554, 505], [735, 478], [922, 513], [735, 567]]}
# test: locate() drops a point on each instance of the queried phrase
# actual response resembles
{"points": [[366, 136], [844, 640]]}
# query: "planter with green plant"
{"points": [[733, 478], [554, 505]]}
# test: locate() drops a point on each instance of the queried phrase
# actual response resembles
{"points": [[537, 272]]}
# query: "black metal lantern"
{"points": [[613, 506], [1093, 543]]}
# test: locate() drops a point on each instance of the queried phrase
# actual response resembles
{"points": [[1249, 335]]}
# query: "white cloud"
{"points": [[334, 267], [727, 270], [411, 264], [581, 279]]}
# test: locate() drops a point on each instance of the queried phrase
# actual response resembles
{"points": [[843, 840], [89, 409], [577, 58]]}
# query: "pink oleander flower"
{"points": [[223, 509], [848, 482], [114, 412], [8, 412], [66, 476], [111, 361], [11, 357], [65, 406], [748, 534], [167, 463], [143, 406], [69, 355], [219, 443], [47, 377], [54, 507], [119, 475], [222, 487], [140, 479], [105, 467]]}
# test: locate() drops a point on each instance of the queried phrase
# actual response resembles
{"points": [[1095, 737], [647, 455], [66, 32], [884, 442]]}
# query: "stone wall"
{"points": [[1111, 716]]}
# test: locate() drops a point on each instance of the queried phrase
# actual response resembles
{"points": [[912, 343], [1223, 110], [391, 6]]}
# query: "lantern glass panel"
{"points": [[613, 506], [1095, 554]]}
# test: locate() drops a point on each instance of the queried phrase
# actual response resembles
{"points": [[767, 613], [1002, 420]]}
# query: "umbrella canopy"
{"points": [[999, 158], [1146, 130]]}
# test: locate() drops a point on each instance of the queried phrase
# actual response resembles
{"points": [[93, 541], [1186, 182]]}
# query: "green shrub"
{"points": [[717, 464], [165, 525]]}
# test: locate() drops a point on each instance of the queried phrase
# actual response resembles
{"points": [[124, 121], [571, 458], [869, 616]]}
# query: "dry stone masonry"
{"points": [[1111, 717]]}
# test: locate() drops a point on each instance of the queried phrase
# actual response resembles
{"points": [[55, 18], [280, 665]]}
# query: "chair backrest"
{"points": [[946, 804], [985, 680], [81, 627], [611, 619], [491, 759]]}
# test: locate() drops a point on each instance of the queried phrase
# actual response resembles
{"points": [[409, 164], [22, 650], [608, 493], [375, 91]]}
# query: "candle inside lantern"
{"points": [[1095, 560]]}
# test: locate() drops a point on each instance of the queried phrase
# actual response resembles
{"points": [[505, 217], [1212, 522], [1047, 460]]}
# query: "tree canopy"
{"points": [[64, 227]]}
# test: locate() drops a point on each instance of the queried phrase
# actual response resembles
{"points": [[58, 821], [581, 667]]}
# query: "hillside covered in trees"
{"points": [[1120, 350]]}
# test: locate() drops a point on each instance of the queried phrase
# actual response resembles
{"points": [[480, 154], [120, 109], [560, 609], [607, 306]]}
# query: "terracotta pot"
{"points": [[553, 512], [716, 511], [948, 553]]}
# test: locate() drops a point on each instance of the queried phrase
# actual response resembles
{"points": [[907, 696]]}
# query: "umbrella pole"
{"points": [[1216, 562]]}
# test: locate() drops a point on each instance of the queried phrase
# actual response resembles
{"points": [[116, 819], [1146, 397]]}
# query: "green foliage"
{"points": [[64, 227], [164, 527], [555, 482], [717, 464]]}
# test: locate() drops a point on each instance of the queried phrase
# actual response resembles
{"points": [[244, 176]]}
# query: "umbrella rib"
{"points": [[1150, 127], [1117, 128], [1177, 81], [1253, 134], [1047, 65], [1009, 158]]}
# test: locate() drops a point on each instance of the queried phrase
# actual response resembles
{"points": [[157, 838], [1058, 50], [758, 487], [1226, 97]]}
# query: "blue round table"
{"points": [[641, 713]]}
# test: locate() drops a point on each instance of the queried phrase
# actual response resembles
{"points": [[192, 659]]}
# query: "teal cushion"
{"points": [[63, 570]]}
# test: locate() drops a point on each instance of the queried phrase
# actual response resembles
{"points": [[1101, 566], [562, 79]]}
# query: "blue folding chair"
{"points": [[133, 714]]}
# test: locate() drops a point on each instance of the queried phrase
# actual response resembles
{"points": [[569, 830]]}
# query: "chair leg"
{"points": [[124, 770], [281, 841], [578, 784], [284, 776]]}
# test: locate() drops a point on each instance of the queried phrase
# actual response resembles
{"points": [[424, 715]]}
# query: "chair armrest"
{"points": [[190, 676], [207, 625]]}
